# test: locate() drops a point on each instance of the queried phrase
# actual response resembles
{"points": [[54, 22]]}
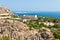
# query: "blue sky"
{"points": [[31, 5]]}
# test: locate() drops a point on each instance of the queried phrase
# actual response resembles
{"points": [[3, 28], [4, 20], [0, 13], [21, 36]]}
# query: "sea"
{"points": [[44, 14]]}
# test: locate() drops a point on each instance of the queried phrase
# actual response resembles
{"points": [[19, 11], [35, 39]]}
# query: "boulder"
{"points": [[47, 34]]}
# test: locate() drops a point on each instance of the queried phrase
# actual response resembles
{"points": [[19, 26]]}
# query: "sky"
{"points": [[31, 5]]}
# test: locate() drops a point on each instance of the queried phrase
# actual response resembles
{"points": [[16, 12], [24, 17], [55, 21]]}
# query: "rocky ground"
{"points": [[16, 29], [4, 10]]}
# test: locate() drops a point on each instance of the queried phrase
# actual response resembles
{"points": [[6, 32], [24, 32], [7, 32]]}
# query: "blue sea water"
{"points": [[45, 14]]}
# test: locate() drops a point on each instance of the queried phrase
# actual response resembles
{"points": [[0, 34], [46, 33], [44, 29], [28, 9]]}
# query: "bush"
{"points": [[56, 26], [14, 16], [56, 34], [5, 38], [55, 39]]}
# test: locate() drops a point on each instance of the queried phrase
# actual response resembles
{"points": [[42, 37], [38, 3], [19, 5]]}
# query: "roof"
{"points": [[29, 17]]}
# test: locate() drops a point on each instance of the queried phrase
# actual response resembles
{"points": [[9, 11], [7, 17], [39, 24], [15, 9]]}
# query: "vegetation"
{"points": [[39, 23], [17, 39], [56, 34], [14, 16], [5, 38]]}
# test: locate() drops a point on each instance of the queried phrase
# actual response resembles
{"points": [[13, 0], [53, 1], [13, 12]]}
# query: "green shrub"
{"points": [[56, 26], [56, 34], [5, 38], [55, 39], [14, 16]]}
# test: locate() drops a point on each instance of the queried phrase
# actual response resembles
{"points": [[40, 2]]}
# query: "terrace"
{"points": [[5, 15]]}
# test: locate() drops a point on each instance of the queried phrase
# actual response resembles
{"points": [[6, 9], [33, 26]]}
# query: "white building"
{"points": [[49, 23], [28, 18]]}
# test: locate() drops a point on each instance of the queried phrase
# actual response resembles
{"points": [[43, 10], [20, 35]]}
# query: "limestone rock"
{"points": [[16, 29], [47, 34], [4, 10]]}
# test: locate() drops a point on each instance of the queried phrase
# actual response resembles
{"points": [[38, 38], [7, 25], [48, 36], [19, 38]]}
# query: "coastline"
{"points": [[43, 14]]}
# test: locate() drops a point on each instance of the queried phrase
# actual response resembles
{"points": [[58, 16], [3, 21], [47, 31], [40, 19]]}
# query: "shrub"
{"points": [[56, 34], [5, 38], [56, 26]]}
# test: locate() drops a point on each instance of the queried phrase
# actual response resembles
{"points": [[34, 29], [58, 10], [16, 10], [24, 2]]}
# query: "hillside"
{"points": [[4, 10], [11, 29], [18, 30]]}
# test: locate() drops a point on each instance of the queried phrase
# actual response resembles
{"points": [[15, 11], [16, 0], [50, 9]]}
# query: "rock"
{"points": [[4, 10], [47, 34], [21, 31], [16, 29]]}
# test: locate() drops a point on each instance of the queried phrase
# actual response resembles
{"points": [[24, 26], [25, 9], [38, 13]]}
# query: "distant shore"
{"points": [[44, 14]]}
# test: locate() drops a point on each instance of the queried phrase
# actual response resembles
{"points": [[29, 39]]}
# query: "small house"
{"points": [[28, 18]]}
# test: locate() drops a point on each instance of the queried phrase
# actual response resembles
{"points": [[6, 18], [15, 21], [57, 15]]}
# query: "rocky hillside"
{"points": [[4, 10], [16, 30]]}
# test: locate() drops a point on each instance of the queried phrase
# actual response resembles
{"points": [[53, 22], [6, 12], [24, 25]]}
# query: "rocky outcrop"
{"points": [[47, 34], [4, 10], [15, 29]]}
